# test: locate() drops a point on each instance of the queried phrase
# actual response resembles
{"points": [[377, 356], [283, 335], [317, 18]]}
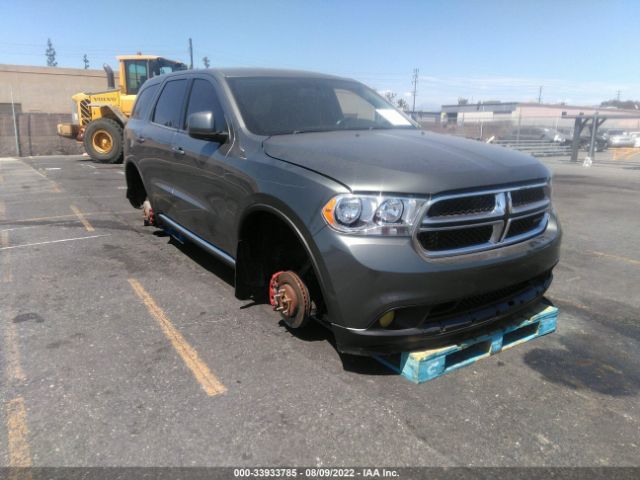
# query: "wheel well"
{"points": [[136, 193], [267, 244]]}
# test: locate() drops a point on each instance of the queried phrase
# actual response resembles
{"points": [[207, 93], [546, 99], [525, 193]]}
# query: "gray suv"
{"points": [[333, 206]]}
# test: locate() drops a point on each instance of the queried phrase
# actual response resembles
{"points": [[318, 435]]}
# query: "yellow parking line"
{"points": [[55, 188], [17, 433], [208, 381], [88, 227], [614, 257], [13, 367]]}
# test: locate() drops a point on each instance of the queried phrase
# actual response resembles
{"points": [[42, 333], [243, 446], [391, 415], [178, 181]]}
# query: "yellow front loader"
{"points": [[98, 118]]}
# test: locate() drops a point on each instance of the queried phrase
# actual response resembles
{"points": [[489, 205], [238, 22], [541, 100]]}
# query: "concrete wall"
{"points": [[46, 89]]}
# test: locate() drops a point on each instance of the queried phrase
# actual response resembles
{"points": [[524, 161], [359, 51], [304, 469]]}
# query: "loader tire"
{"points": [[103, 140]]}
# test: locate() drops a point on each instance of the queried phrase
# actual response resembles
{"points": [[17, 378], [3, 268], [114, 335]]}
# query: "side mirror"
{"points": [[202, 125]]}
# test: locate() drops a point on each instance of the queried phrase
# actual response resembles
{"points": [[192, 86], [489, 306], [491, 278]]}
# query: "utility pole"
{"points": [[190, 54], [618, 95], [540, 95], [415, 88]]}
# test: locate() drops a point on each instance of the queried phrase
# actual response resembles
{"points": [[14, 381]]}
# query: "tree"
{"points": [[85, 59], [50, 53], [402, 104], [206, 62], [390, 96], [463, 101]]}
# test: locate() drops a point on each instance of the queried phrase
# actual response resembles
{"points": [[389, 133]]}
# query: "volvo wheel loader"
{"points": [[98, 118]]}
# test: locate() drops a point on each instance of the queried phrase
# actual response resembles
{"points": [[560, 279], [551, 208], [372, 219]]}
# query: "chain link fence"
{"points": [[539, 136], [36, 135]]}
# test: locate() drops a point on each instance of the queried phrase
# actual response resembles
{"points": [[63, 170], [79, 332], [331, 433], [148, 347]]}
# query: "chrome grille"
{"points": [[463, 206], [469, 222]]}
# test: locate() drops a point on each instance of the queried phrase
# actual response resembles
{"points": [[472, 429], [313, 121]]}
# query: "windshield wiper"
{"points": [[312, 130]]}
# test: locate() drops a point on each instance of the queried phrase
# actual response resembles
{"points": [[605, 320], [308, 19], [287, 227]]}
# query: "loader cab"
{"points": [[137, 69]]}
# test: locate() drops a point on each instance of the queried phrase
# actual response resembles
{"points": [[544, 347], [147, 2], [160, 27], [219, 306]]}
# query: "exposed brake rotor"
{"points": [[147, 213], [289, 295]]}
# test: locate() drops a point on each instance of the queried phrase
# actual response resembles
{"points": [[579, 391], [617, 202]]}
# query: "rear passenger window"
{"points": [[203, 98], [143, 102], [169, 107]]}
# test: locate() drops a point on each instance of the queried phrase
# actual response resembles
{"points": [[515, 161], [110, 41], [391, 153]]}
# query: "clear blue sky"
{"points": [[581, 52]]}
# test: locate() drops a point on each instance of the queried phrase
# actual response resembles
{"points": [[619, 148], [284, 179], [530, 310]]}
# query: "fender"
{"points": [[109, 111], [318, 267]]}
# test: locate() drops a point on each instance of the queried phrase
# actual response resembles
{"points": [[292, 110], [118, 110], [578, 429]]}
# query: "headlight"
{"points": [[372, 214], [348, 210], [390, 211]]}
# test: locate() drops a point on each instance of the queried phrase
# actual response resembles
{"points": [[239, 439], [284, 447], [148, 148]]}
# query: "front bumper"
{"points": [[365, 277]]}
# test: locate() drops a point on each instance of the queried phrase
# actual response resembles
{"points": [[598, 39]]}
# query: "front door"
{"points": [[202, 189]]}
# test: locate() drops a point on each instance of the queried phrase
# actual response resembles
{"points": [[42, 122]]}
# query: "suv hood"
{"points": [[404, 161]]}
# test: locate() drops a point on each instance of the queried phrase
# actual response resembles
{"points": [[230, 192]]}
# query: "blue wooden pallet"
{"points": [[425, 365]]}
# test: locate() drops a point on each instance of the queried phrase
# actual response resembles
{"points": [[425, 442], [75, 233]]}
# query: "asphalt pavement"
{"points": [[120, 347]]}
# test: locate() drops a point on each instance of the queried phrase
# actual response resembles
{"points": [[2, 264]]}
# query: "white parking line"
{"points": [[53, 241]]}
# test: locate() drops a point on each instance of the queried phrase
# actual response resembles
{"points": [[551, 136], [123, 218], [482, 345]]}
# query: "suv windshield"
{"points": [[279, 105]]}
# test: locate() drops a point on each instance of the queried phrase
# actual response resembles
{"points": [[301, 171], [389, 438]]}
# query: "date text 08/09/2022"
{"points": [[315, 473]]}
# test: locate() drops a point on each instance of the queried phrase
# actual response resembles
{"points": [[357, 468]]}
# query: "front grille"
{"points": [[439, 240], [524, 225], [527, 195], [85, 112], [469, 222], [463, 206]]}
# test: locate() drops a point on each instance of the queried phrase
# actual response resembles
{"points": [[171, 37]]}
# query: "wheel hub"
{"points": [[102, 141], [290, 297]]}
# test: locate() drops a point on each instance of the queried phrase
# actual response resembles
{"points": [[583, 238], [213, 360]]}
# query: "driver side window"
{"points": [[203, 98]]}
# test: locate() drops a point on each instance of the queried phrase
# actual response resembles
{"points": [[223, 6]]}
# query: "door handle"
{"points": [[178, 150]]}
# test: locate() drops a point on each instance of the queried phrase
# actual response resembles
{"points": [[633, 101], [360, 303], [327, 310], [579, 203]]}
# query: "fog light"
{"points": [[387, 318]]}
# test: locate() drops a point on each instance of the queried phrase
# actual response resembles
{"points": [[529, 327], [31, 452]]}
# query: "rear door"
{"points": [[203, 185], [161, 162], [135, 137]]}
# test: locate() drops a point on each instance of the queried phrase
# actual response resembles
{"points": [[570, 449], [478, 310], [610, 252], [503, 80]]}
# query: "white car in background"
{"points": [[620, 138], [636, 136]]}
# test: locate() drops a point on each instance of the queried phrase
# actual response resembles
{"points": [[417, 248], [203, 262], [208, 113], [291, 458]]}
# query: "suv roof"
{"points": [[266, 72], [250, 72]]}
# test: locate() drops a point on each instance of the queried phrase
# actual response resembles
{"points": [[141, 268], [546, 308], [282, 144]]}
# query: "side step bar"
{"points": [[225, 257]]}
